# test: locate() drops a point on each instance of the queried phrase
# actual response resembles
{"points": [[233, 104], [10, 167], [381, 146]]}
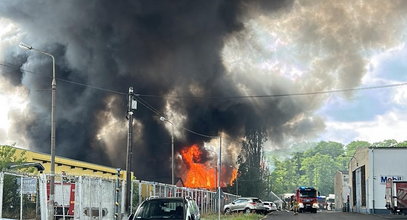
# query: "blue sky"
{"points": [[371, 115]]}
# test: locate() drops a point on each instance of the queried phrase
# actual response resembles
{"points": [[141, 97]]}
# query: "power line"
{"points": [[92, 87], [141, 100], [224, 97], [151, 108], [65, 80], [279, 95]]}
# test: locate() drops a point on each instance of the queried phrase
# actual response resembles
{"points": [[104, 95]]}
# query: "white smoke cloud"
{"points": [[312, 46]]}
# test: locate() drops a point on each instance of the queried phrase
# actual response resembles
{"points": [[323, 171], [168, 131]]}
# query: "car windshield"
{"points": [[308, 193], [161, 209], [257, 200]]}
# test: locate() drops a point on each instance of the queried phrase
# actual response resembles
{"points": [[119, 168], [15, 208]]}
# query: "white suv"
{"points": [[245, 204]]}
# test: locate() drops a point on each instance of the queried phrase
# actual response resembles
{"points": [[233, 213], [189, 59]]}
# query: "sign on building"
{"points": [[384, 179]]}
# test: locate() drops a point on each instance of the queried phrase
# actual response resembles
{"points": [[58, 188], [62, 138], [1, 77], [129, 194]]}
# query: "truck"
{"points": [[307, 199], [64, 200], [330, 202], [321, 202], [396, 196]]}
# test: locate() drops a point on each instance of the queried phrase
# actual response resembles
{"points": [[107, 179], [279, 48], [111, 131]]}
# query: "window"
{"points": [[161, 208], [308, 193]]}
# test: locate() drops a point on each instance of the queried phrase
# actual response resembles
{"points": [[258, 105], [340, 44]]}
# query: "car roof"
{"points": [[167, 198]]}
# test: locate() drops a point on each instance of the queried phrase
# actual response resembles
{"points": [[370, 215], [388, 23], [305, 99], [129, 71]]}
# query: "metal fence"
{"points": [[25, 196], [207, 200], [19, 197]]}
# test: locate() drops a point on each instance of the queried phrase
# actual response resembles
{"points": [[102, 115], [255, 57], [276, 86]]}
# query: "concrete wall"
{"points": [[359, 159], [341, 189]]}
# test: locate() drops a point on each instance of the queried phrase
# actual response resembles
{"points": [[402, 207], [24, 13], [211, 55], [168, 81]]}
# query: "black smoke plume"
{"points": [[165, 48]]}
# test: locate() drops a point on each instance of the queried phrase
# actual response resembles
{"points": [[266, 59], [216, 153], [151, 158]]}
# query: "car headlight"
{"points": [[315, 205], [301, 205]]}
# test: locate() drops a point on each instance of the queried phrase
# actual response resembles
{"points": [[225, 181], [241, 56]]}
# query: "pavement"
{"points": [[329, 215]]}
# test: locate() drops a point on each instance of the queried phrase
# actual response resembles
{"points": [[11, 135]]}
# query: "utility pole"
{"points": [[51, 210], [172, 155], [132, 105], [219, 171]]}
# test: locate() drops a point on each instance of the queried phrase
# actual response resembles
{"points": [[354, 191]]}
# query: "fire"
{"points": [[199, 174]]}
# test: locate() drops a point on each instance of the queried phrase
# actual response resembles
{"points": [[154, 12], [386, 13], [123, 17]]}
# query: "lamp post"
{"points": [[53, 109], [172, 148]]}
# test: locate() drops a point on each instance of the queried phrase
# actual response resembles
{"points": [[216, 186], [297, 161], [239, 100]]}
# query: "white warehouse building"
{"points": [[369, 170]]}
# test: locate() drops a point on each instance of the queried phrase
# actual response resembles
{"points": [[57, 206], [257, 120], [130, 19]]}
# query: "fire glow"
{"points": [[199, 174]]}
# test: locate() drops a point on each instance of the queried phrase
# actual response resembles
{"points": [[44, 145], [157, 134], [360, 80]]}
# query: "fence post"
{"points": [[100, 198], [43, 196], [21, 197], [139, 192], [1, 193], [123, 199], [79, 211]]}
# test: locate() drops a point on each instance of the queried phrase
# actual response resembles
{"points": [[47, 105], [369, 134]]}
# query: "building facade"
{"points": [[69, 166], [369, 170], [342, 191]]}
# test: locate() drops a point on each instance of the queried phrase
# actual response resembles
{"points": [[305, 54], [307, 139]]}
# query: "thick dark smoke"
{"points": [[166, 48]]}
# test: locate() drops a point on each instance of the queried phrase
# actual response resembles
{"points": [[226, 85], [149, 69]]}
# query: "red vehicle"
{"points": [[64, 200], [307, 199], [396, 196]]}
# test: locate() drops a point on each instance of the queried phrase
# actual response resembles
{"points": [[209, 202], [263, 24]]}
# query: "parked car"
{"points": [[168, 208], [245, 204], [270, 206]]}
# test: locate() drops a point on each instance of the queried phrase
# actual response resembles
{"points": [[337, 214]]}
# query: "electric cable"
{"points": [[225, 97]]}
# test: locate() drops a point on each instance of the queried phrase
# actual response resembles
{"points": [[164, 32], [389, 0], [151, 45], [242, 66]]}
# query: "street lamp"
{"points": [[53, 108], [172, 148]]}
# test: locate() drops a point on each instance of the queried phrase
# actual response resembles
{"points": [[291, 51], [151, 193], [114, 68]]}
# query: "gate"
{"points": [[19, 197]]}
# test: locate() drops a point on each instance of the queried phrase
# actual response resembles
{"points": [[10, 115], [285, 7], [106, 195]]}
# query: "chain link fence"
{"points": [[207, 200]]}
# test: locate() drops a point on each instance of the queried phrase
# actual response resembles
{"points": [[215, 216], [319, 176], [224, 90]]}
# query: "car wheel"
{"points": [[227, 211], [247, 211]]}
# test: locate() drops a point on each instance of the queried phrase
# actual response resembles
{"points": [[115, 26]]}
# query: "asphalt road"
{"points": [[328, 215]]}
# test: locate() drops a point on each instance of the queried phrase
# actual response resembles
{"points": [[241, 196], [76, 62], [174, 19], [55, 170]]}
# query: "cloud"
{"points": [[390, 125]]}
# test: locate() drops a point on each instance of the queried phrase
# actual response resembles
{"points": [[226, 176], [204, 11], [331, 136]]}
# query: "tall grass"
{"points": [[236, 216]]}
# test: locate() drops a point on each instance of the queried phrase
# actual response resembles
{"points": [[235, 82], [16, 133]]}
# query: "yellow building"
{"points": [[69, 166]]}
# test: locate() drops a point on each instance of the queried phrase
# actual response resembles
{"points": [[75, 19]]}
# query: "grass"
{"points": [[237, 216]]}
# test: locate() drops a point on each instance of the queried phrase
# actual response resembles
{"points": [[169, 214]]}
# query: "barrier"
{"points": [[25, 196]]}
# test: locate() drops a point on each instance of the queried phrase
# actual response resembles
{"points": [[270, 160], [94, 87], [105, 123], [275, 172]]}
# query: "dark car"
{"points": [[168, 208]]}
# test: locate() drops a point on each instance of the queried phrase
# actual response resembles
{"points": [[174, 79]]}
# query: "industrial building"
{"points": [[68, 166], [369, 170], [342, 191]]}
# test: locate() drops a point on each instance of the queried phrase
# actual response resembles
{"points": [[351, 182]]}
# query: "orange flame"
{"points": [[200, 175]]}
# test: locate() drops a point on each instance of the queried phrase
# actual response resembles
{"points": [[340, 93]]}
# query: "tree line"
{"points": [[308, 164]]}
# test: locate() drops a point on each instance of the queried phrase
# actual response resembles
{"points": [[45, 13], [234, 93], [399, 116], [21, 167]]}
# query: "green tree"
{"points": [[252, 170], [402, 144], [320, 171], [8, 155], [333, 149], [386, 143], [11, 194], [354, 145]]}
